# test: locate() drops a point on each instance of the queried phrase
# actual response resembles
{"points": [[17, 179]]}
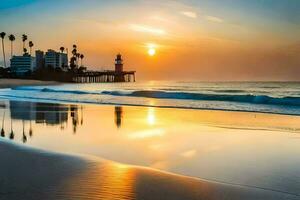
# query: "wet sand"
{"points": [[28, 173], [8, 83]]}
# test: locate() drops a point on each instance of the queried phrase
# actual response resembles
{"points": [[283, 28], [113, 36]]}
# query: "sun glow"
{"points": [[151, 52], [151, 49]]}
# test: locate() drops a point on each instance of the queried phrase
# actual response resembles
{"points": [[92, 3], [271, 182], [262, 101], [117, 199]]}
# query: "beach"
{"points": [[8, 83], [33, 174], [84, 151]]}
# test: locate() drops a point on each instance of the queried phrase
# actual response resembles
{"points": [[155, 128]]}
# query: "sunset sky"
{"points": [[209, 40]]}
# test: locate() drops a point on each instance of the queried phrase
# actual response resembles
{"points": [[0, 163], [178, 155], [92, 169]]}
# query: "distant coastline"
{"points": [[56, 66]]}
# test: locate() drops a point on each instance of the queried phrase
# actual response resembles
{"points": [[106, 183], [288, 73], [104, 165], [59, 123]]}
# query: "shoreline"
{"points": [[43, 100], [10, 83], [80, 177]]}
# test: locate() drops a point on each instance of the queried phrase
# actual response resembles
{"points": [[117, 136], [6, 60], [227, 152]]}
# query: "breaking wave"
{"points": [[239, 98]]}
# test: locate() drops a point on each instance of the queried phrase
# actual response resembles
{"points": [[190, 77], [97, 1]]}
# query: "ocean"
{"points": [[267, 97]]}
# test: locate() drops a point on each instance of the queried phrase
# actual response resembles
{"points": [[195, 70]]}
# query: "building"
{"points": [[39, 59], [56, 59], [51, 58], [22, 65]]}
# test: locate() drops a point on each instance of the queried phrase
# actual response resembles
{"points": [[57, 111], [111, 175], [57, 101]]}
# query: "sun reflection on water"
{"points": [[147, 134], [151, 119]]}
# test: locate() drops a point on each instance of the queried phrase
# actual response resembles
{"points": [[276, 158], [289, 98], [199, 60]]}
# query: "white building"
{"points": [[56, 59], [22, 65]]}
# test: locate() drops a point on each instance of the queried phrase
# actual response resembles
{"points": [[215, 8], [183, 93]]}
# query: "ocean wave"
{"points": [[248, 98], [238, 98], [54, 91], [228, 91]]}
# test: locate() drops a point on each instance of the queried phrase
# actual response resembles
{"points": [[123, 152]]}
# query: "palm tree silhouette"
{"points": [[74, 52], [2, 130], [11, 38], [78, 56], [24, 38], [11, 135], [73, 60], [30, 46], [81, 57], [24, 138], [62, 49], [25, 51], [2, 35]]}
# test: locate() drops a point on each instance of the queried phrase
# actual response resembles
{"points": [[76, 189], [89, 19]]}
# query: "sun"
{"points": [[151, 51]]}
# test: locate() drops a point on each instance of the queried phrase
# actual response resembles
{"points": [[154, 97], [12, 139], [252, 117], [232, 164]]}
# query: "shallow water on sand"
{"points": [[249, 149]]}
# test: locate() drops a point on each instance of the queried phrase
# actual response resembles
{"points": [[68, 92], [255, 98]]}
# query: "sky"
{"points": [[203, 40]]}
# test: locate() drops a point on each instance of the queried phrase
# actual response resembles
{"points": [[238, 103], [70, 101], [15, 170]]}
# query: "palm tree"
{"points": [[24, 38], [2, 35], [12, 135], [30, 46], [2, 130], [78, 56], [74, 52], [12, 38], [73, 58], [81, 57], [62, 49], [25, 51]]}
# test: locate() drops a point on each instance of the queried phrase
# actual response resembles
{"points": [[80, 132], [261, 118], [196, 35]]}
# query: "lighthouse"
{"points": [[119, 64], [119, 77]]}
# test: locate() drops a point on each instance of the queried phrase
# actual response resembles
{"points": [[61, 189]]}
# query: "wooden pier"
{"points": [[107, 76], [104, 77]]}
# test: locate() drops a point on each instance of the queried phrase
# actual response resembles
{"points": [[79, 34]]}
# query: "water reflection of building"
{"points": [[51, 114], [45, 113], [22, 110], [39, 112], [118, 116]]}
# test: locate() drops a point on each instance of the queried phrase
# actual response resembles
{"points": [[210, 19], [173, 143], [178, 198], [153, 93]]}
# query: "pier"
{"points": [[107, 76], [104, 77]]}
